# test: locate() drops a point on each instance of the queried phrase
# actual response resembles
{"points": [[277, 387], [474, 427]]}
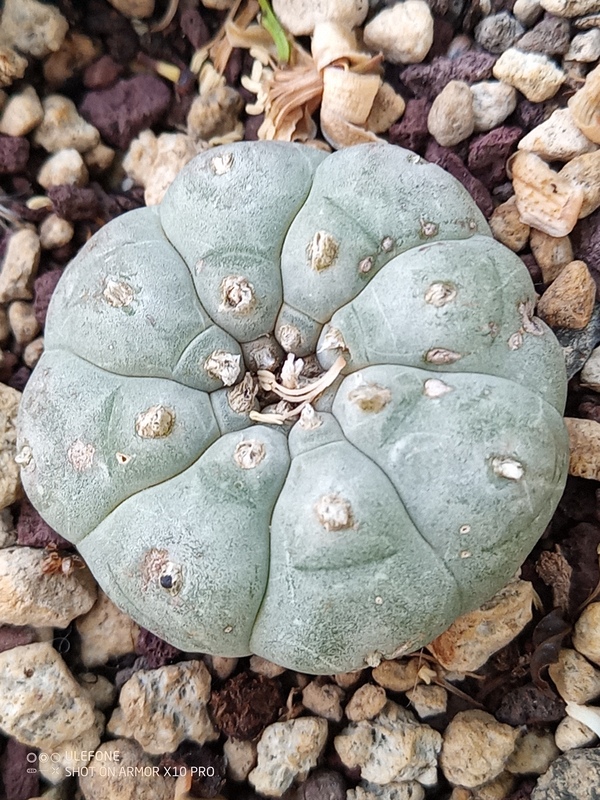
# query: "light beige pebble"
{"points": [[4, 326], [388, 107], [215, 113], [396, 790], [366, 702], [393, 746], [99, 689], [585, 47], [10, 482], [507, 227], [62, 128], [22, 113], [584, 171], [23, 324], [60, 762], [261, 666], [472, 638], [397, 676], [572, 734], [498, 789], [299, 17], [128, 758], [552, 253], [12, 65], [55, 232], [586, 636], [31, 596], [584, 460], [160, 708], [286, 752], [21, 259], [64, 167], [476, 748], [34, 28], [173, 151], [590, 374], [576, 680], [105, 632], [570, 8], [324, 700], [241, 758], [558, 138], [493, 102], [99, 158], [33, 352], [221, 666], [527, 11], [403, 32], [569, 301], [348, 679], [76, 53], [546, 200], [533, 754], [134, 9], [450, 119], [533, 74], [428, 701], [43, 705], [8, 534], [585, 105]]}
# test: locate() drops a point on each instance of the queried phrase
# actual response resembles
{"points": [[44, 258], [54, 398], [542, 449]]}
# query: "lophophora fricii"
{"points": [[302, 408]]}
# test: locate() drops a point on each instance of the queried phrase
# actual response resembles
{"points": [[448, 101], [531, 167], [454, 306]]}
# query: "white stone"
{"points": [[31, 596], [586, 636], [59, 762], [134, 9], [287, 751], [64, 167], [22, 113], [105, 633], [572, 734], [585, 47], [8, 534], [533, 754], [397, 790], [62, 128], [571, 8], [99, 158], [155, 162], [160, 708], [99, 689], [324, 700], [493, 102], [241, 758], [55, 232], [23, 323], [533, 74], [451, 118], [393, 746], [33, 352], [403, 33], [428, 700], [476, 748], [21, 259], [10, 482], [576, 680], [366, 702], [527, 11], [558, 138], [299, 17], [142, 783], [42, 704], [34, 28]]}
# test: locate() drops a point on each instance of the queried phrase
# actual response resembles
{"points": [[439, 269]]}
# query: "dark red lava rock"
{"points": [[43, 287], [550, 36], [194, 28], [74, 202], [102, 73], [119, 36], [32, 531], [533, 267], [8, 362], [488, 153], [428, 80], [586, 244], [411, 132], [245, 705], [206, 767], [18, 379], [156, 651], [16, 636], [450, 161], [19, 782], [14, 154], [127, 108], [529, 705], [322, 785]]}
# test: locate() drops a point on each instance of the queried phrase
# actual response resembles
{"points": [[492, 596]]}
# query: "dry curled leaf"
{"points": [[547, 639], [556, 572]]}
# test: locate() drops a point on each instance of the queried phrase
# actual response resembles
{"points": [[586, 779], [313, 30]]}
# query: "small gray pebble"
{"points": [[573, 776], [498, 32], [550, 36], [578, 345]]}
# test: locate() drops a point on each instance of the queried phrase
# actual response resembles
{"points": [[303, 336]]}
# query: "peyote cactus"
{"points": [[300, 409]]}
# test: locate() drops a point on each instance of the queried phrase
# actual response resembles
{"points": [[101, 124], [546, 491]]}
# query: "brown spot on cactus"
{"points": [[530, 323], [237, 295], [465, 554], [289, 338], [433, 387], [515, 341], [155, 422], [378, 600], [440, 355], [334, 512], [122, 458], [366, 265], [507, 468], [249, 454], [118, 294], [24, 457], [464, 529], [222, 164], [81, 455], [429, 229], [170, 577], [223, 366], [387, 244], [370, 397], [440, 293], [322, 251], [228, 629]]}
